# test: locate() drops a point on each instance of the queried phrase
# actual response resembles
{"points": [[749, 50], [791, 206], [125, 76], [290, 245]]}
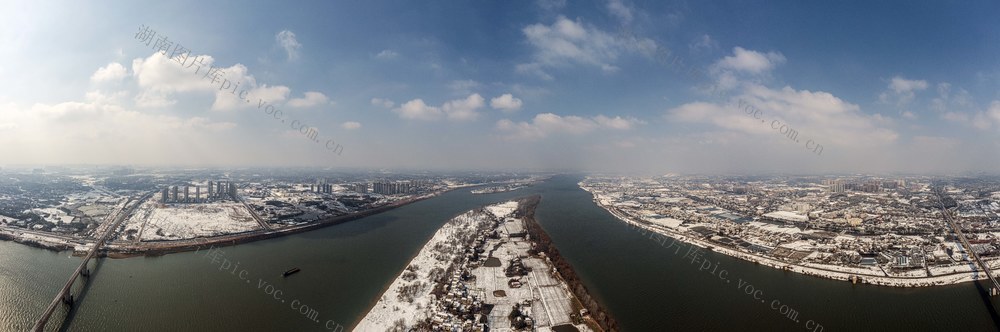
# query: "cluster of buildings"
{"points": [[377, 187], [323, 188], [841, 186], [392, 188], [183, 194], [858, 223], [458, 308]]}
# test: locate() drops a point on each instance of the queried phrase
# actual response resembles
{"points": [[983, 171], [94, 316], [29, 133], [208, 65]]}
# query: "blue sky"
{"points": [[589, 85]]}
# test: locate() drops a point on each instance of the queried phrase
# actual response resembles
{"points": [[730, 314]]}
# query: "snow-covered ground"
{"points": [[502, 210], [152, 222], [54, 215], [956, 273], [549, 298], [390, 307]]}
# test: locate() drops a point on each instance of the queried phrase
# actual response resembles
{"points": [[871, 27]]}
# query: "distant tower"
{"points": [[173, 197], [197, 193], [186, 192], [163, 195], [210, 190]]}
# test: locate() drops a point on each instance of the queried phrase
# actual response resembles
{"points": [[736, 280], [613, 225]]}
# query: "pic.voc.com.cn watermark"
{"points": [[665, 57], [216, 257], [778, 126], [697, 258], [217, 76]]}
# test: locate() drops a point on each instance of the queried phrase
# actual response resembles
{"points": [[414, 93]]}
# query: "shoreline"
{"points": [[808, 270], [452, 266], [160, 248], [598, 314], [385, 288]]}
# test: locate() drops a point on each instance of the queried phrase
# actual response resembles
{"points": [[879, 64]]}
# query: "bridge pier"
{"points": [[66, 295]]}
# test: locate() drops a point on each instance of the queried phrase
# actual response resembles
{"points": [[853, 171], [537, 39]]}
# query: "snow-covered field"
{"points": [[152, 222], [502, 210], [54, 215], [550, 298]]}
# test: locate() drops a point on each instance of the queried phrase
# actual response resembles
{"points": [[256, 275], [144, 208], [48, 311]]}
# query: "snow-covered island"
{"points": [[497, 189], [486, 269]]}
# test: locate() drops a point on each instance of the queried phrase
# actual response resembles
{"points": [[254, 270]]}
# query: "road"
{"points": [[116, 219], [965, 242]]}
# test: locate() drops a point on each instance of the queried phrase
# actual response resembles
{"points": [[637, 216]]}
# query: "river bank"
{"points": [[59, 243], [810, 269], [486, 270]]}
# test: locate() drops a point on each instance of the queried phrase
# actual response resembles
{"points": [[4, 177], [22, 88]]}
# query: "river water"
{"points": [[645, 285]]}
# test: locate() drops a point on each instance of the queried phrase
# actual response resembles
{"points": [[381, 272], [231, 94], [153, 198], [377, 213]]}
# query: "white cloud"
{"points": [[546, 124], [567, 42], [464, 109], [351, 125], [112, 72], [983, 120], [749, 61], [310, 99], [901, 91], [105, 98], [418, 110], [69, 132], [955, 117], [160, 78], [820, 116], [958, 106], [901, 85], [618, 122], [160, 74], [286, 39], [704, 43], [994, 111], [506, 102], [456, 110], [620, 10], [151, 99], [387, 54]]}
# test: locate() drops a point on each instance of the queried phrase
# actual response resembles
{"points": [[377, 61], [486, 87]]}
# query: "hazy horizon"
{"points": [[610, 86]]}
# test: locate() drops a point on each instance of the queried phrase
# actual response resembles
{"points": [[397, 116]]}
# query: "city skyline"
{"points": [[631, 86]]}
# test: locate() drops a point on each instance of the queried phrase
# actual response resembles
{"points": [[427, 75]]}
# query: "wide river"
{"points": [[645, 285]]}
